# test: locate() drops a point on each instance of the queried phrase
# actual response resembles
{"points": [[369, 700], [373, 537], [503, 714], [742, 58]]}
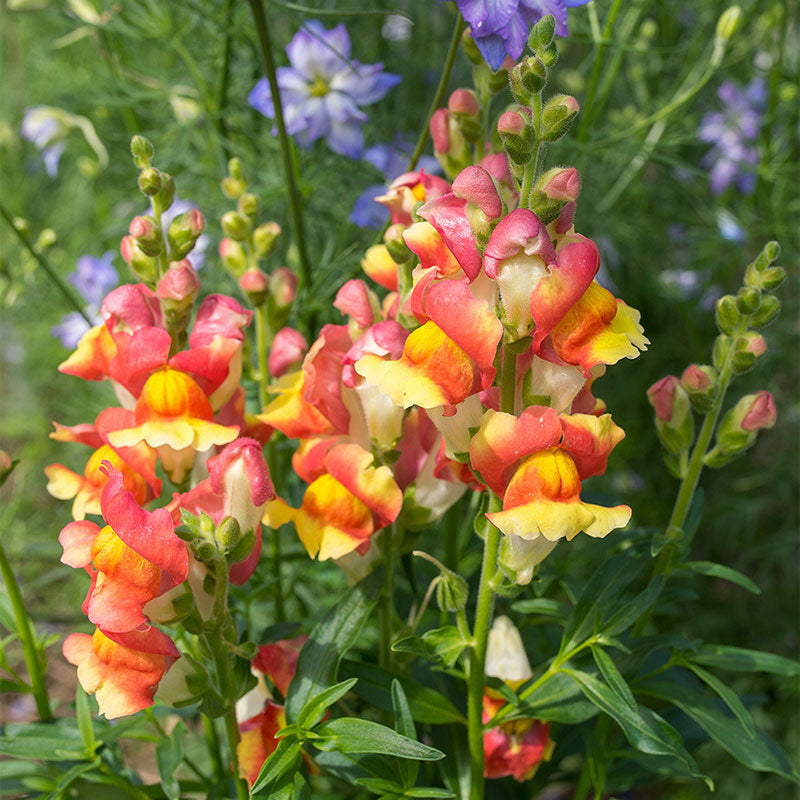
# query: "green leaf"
{"points": [[558, 699], [728, 696], [379, 785], [644, 729], [404, 725], [352, 766], [353, 735], [427, 705], [544, 606], [721, 571], [48, 741], [602, 589], [613, 677], [169, 756], [84, 717], [631, 610], [319, 659], [70, 776], [427, 791], [740, 659], [316, 706], [283, 760], [760, 753], [440, 645]]}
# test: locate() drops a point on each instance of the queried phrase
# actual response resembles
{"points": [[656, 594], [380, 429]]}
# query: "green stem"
{"points": [[277, 560], [212, 742], [452, 50], [508, 383], [30, 650], [295, 204], [224, 77], [44, 264], [232, 732], [387, 599], [596, 69], [163, 260]]}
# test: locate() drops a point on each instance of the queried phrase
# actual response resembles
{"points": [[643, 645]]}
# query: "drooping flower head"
{"points": [[323, 89]]}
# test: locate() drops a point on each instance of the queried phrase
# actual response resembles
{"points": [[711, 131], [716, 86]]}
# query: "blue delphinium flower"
{"points": [[323, 88], [501, 27], [733, 132], [392, 161], [46, 128], [93, 278]]}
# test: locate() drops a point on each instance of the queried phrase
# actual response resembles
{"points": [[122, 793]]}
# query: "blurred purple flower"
{"points": [[392, 161], [198, 254], [322, 89], [93, 278], [500, 27], [45, 127], [733, 132]]}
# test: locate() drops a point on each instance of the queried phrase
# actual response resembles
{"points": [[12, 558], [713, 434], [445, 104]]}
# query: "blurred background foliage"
{"points": [[157, 68]]}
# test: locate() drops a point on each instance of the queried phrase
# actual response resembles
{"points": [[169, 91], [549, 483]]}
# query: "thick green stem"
{"points": [[25, 632], [295, 203], [232, 732], [44, 264]]}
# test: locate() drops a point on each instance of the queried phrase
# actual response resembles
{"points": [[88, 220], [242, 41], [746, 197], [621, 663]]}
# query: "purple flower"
{"points": [[500, 27], [733, 132], [93, 278], [322, 89], [392, 161], [46, 128]]}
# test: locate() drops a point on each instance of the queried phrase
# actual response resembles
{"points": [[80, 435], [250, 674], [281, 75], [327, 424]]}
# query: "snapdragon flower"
{"points": [[733, 132], [323, 88], [500, 27], [93, 278]]}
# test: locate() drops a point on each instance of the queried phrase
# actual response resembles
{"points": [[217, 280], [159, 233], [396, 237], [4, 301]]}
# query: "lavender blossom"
{"points": [[46, 128], [322, 89], [93, 278], [500, 27], [733, 132], [392, 161]]}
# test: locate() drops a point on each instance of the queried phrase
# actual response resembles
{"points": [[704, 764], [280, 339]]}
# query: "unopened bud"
{"points": [[203, 550], [232, 188], [517, 135], [145, 267], [227, 534], [283, 287], [674, 421], [167, 194], [549, 55], [463, 101], [767, 311], [183, 233], [233, 256], [248, 205], [235, 169], [147, 233], [150, 181], [289, 347], [542, 33], [728, 22], [719, 354], [738, 428], [451, 592], [700, 383], [727, 314], [527, 79], [235, 225], [767, 279], [746, 349], [255, 285], [558, 115], [560, 183], [142, 151], [470, 48], [178, 288], [396, 244], [265, 237], [748, 300]]}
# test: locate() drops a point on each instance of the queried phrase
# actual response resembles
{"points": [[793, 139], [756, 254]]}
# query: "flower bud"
{"points": [[470, 48], [746, 349], [767, 279], [396, 244], [233, 256], [265, 237], [183, 233], [288, 350], [558, 115], [150, 182], [178, 288], [283, 287], [235, 225], [748, 300], [235, 169], [255, 285], [227, 534], [700, 383], [248, 205], [517, 136], [674, 421], [767, 311], [542, 33], [463, 101], [147, 233], [167, 194], [719, 354], [727, 314], [142, 151], [728, 23], [527, 79], [449, 144], [232, 188], [738, 429], [451, 592], [505, 654], [549, 55], [560, 183], [145, 267]]}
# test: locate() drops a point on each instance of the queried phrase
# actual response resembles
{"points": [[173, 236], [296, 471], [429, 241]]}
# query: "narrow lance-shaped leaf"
{"points": [[728, 696], [404, 725], [725, 573], [613, 677], [315, 707], [740, 659], [352, 735]]}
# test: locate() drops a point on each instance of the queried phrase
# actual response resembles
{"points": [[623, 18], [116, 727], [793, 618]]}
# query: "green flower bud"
{"points": [[227, 534], [767, 279], [546, 208], [748, 300], [558, 115], [235, 225], [243, 547], [150, 181], [142, 151], [722, 346], [728, 23], [167, 194], [768, 310], [674, 421], [738, 429], [248, 205], [549, 55], [451, 592], [746, 349], [701, 384], [234, 257], [265, 237], [235, 169], [396, 244], [527, 79], [727, 314], [471, 49], [184, 232], [233, 188], [541, 35], [147, 233], [517, 135], [203, 550]]}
